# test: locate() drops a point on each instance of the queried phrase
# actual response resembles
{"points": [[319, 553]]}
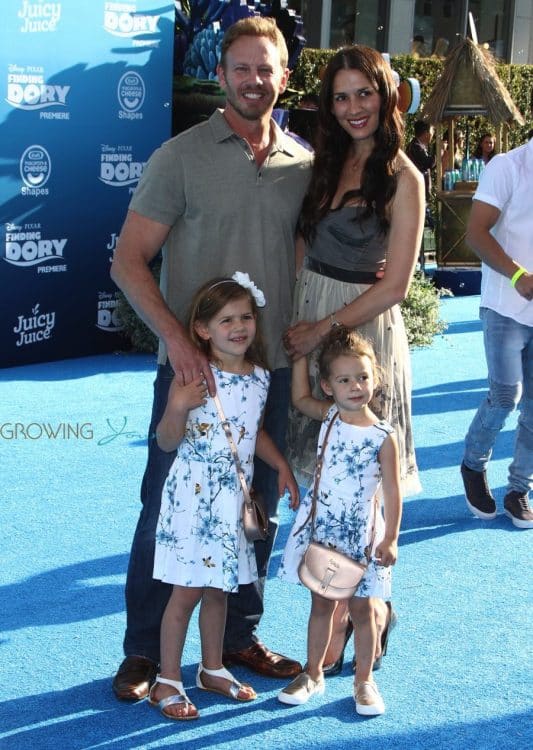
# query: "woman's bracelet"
{"points": [[333, 322], [516, 275]]}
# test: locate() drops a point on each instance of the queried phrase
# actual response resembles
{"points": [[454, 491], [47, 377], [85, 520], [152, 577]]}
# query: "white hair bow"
{"points": [[244, 280]]}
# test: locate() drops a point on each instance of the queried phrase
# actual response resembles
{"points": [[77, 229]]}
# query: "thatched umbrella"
{"points": [[469, 85]]}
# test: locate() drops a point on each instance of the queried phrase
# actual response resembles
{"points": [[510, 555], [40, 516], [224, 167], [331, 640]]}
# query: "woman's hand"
{"points": [[302, 338]]}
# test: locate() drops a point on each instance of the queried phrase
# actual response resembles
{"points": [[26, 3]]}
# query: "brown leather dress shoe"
{"points": [[134, 677], [260, 659]]}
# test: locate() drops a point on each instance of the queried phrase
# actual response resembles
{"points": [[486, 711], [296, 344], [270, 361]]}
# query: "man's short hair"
{"points": [[421, 127], [255, 26]]}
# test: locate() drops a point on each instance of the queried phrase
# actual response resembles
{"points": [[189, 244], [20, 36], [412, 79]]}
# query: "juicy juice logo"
{"points": [[36, 327], [39, 17]]}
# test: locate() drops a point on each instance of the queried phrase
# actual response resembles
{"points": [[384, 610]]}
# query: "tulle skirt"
{"points": [[316, 297]]}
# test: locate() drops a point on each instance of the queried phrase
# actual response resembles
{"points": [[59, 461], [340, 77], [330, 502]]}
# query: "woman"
{"points": [[364, 212], [486, 147], [449, 160]]}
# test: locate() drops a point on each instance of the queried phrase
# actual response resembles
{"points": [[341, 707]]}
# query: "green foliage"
{"points": [[420, 311], [518, 79]]}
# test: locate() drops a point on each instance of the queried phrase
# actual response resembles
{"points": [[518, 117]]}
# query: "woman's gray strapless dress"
{"points": [[344, 242]]}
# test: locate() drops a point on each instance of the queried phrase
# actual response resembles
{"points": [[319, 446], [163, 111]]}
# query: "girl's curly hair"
{"points": [[345, 342]]}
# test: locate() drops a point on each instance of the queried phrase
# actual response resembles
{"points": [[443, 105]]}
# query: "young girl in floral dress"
{"points": [[360, 461], [200, 544]]}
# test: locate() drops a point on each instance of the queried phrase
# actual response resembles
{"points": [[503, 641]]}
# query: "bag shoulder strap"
{"points": [[318, 471], [314, 500], [238, 466]]}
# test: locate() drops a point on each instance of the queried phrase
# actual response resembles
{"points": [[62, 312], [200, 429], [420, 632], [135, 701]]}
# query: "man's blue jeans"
{"points": [[147, 598], [509, 354]]}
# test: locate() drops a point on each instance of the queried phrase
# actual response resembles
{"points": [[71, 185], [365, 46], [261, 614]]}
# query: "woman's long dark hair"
{"points": [[378, 179], [478, 153]]}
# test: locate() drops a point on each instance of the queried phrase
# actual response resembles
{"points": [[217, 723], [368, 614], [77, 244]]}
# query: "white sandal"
{"points": [[179, 698], [231, 692]]}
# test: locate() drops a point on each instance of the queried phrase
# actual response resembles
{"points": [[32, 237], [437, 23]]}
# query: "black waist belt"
{"points": [[340, 274]]}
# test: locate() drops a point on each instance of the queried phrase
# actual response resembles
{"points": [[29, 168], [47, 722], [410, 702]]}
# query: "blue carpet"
{"points": [[458, 672]]}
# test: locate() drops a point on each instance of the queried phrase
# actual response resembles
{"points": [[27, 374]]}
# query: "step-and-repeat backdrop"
{"points": [[87, 90]]}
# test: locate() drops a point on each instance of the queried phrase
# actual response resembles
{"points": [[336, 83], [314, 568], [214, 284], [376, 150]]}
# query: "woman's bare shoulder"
{"points": [[408, 175]]}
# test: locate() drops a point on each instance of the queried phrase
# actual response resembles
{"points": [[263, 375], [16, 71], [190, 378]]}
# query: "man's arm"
{"points": [[483, 217], [139, 242]]}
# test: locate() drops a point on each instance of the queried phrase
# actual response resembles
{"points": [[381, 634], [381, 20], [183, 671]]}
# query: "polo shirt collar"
{"points": [[222, 131]]}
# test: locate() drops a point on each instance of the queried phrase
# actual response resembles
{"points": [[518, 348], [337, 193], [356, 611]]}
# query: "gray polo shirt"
{"points": [[227, 215]]}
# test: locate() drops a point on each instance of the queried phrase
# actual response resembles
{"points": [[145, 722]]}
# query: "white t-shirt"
{"points": [[507, 184]]}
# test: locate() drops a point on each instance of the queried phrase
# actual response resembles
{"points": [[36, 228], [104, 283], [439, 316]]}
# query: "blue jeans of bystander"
{"points": [[509, 354]]}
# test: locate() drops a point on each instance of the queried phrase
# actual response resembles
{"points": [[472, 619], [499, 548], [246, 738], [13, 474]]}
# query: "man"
{"points": [[222, 197], [418, 151], [500, 231]]}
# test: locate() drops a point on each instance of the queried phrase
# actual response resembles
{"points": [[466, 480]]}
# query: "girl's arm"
{"points": [[387, 549], [266, 450], [301, 395], [405, 236], [181, 399]]}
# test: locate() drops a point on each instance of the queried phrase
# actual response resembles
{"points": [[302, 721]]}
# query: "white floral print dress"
{"points": [[351, 476], [199, 538]]}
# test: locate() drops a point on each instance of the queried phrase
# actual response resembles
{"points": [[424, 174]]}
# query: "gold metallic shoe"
{"points": [[301, 689], [368, 701]]}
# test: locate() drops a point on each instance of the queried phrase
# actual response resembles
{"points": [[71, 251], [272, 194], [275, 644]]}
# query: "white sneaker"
{"points": [[301, 689], [368, 701]]}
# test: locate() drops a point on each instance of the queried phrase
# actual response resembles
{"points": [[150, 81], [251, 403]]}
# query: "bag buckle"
{"points": [[330, 571]]}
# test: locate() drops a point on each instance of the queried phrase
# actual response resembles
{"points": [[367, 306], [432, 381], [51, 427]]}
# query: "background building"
{"points": [[426, 26]]}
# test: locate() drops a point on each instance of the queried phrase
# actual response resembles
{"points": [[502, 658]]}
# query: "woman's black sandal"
{"points": [[393, 619], [330, 670]]}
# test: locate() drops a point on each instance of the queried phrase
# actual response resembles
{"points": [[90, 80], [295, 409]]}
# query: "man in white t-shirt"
{"points": [[500, 231]]}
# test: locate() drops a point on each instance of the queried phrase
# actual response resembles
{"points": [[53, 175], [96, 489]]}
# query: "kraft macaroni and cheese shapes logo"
{"points": [[35, 166], [123, 20], [118, 168], [26, 245], [39, 17], [27, 89], [130, 93]]}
